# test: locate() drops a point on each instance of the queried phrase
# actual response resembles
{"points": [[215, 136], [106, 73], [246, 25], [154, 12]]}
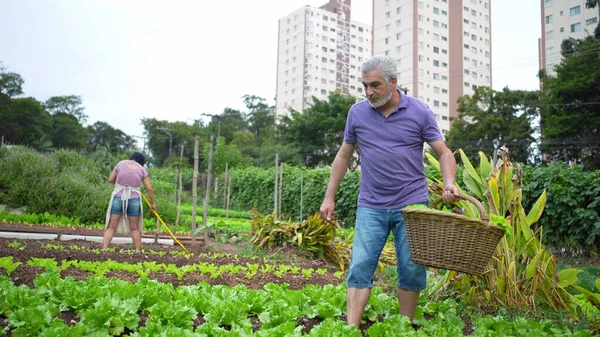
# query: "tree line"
{"points": [[558, 122]]}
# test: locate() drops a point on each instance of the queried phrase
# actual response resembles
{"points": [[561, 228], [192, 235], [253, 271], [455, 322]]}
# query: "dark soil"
{"points": [[91, 251]]}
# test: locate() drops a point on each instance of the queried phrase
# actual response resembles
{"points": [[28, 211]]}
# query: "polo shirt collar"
{"points": [[403, 100]]}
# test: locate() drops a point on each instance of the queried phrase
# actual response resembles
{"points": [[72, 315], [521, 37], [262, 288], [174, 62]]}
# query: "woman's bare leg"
{"points": [[136, 235], [110, 231]]}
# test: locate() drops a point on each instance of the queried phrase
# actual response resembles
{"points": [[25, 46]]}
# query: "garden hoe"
{"points": [[163, 223]]}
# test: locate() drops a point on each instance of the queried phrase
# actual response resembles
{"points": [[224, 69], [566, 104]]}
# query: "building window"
{"points": [[436, 10], [549, 35], [575, 27], [398, 35], [591, 21], [436, 23], [323, 92], [436, 50], [549, 19], [548, 3], [436, 37], [387, 15], [575, 10], [436, 63], [436, 103]]}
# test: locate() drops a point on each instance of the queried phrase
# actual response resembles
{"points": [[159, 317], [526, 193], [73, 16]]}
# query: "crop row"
{"points": [[110, 307], [143, 269]]}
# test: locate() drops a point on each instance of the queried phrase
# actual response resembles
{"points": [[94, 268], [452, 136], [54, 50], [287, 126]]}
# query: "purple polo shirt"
{"points": [[391, 152]]}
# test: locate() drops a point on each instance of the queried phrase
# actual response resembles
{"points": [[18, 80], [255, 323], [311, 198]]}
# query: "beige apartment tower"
{"points": [[562, 19], [442, 48], [320, 50]]}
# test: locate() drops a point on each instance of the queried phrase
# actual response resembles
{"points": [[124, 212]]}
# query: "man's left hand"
{"points": [[451, 193]]}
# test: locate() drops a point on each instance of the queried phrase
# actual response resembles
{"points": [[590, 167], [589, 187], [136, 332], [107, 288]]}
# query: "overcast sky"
{"points": [[176, 59]]}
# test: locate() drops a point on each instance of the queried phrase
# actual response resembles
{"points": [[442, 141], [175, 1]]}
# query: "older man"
{"points": [[389, 129]]}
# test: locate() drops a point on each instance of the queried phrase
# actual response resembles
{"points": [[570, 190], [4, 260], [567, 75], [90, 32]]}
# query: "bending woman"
{"points": [[124, 214]]}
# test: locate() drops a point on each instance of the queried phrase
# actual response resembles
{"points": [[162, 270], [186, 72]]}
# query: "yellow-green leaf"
{"points": [[488, 295], [470, 169], [471, 177], [485, 167], [568, 277], [533, 264], [494, 194], [536, 211], [434, 162]]}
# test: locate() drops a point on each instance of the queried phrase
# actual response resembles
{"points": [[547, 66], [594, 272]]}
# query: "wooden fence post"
{"points": [[195, 189]]}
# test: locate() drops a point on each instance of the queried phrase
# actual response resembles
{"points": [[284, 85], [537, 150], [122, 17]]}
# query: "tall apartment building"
{"points": [[442, 48], [562, 19], [320, 50]]}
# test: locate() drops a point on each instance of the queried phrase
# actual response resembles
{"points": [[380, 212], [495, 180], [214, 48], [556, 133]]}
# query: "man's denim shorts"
{"points": [[133, 207], [370, 234]]}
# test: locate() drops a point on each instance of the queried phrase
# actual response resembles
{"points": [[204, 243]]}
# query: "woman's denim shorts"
{"points": [[133, 207], [370, 234]]}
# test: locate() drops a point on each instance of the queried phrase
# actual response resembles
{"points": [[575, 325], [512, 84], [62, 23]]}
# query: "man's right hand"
{"points": [[328, 210]]}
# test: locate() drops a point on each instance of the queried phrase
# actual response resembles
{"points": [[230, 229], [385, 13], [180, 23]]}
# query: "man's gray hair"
{"points": [[385, 63]]}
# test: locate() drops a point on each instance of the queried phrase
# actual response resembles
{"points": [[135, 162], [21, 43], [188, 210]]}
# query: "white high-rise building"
{"points": [[442, 48], [562, 19], [320, 50]]}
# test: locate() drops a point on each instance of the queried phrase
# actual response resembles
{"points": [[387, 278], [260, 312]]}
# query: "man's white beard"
{"points": [[381, 102]]}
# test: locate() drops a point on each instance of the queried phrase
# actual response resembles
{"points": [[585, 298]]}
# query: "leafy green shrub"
{"points": [[572, 216]]}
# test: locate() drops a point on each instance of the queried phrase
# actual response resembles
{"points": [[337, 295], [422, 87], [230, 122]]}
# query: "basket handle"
{"points": [[484, 215]]}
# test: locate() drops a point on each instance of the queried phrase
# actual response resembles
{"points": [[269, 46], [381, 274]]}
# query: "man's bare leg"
{"points": [[407, 300], [357, 299]]}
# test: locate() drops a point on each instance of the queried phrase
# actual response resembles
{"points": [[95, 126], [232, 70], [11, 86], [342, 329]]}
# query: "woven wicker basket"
{"points": [[452, 241]]}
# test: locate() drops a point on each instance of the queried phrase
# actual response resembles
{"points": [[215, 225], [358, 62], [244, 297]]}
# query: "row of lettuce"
{"points": [[102, 306], [67, 183]]}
